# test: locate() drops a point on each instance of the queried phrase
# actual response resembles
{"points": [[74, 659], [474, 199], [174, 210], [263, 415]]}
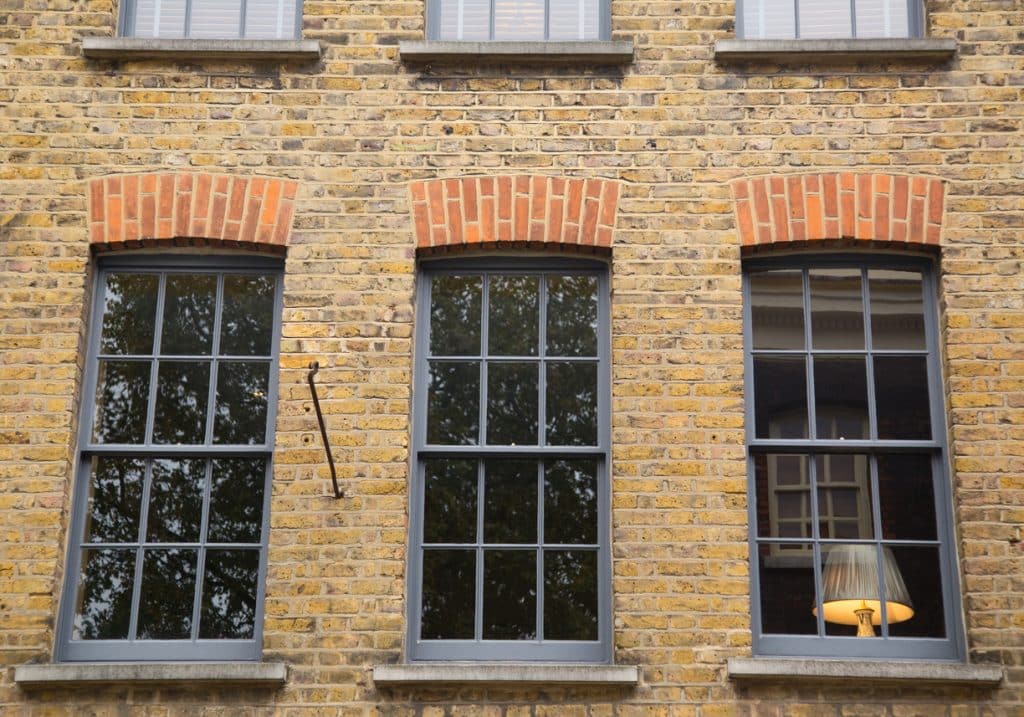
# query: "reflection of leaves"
{"points": [[181, 397], [448, 594], [570, 595], [168, 586], [572, 315], [510, 595], [229, 594], [453, 401], [105, 595], [115, 492], [236, 500], [449, 511], [189, 307], [129, 309], [572, 404], [176, 500], [247, 318], [512, 403], [513, 315], [510, 501], [570, 501], [122, 390], [241, 414], [455, 315]]}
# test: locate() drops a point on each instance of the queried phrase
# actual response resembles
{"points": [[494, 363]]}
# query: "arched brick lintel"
{"points": [[781, 208], [170, 208], [514, 211]]}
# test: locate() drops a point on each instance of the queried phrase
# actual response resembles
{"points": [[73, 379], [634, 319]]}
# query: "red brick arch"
{"points": [[514, 211], [781, 208], [166, 208]]}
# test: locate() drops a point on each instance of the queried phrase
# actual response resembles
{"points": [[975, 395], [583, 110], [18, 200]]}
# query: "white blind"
{"points": [[519, 19], [215, 19], [824, 19]]}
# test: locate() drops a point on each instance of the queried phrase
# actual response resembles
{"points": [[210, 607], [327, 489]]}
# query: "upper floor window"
{"points": [[828, 19], [212, 19], [518, 20]]}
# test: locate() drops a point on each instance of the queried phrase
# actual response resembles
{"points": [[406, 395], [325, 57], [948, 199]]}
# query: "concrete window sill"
{"points": [[83, 674], [604, 52], [931, 49], [135, 48], [435, 673], [898, 671]]}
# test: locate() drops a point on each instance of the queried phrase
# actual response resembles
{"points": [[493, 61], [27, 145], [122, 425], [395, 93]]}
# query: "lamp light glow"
{"points": [[850, 587]]}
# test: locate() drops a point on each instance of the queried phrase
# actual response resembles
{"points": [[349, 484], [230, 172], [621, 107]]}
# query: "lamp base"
{"points": [[864, 626]]}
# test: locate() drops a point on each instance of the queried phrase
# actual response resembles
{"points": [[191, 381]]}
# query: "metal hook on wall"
{"points": [[313, 368]]}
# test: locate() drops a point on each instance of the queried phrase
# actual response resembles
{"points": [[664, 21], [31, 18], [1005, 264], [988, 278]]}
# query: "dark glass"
{"points": [[514, 315], [782, 487], [510, 595], [907, 496], [168, 586], [570, 595], [247, 319], [104, 601], [837, 309], [449, 579], [228, 610], [777, 309], [236, 500], [510, 501], [780, 397], [176, 500], [787, 591], [897, 309], [115, 495], [129, 314], [922, 575], [901, 397], [572, 404], [241, 414], [570, 502], [455, 315], [122, 396], [572, 315], [844, 496], [453, 403], [182, 393], [512, 404], [190, 304], [449, 503], [840, 398]]}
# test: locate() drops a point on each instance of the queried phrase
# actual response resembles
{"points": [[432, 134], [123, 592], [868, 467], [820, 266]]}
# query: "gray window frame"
{"points": [[915, 18], [599, 651], [195, 649], [951, 647], [127, 15], [604, 30]]}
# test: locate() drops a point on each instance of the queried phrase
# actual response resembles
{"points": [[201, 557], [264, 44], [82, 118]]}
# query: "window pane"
{"points": [[897, 309], [512, 404], [453, 403], [572, 404], [901, 397], [777, 309], [181, 396], [168, 587], [572, 316], [907, 496], [825, 19], [882, 18], [510, 501], [844, 496], [241, 415], [219, 19], [851, 582], [768, 19], [510, 595], [922, 575], [115, 495], [473, 24], [514, 316], [574, 20], [570, 502], [247, 319], [455, 315], [570, 595], [169, 23], [783, 496], [837, 309], [104, 601], [449, 508], [269, 19], [176, 500], [236, 500], [229, 594], [787, 591], [449, 580], [189, 307], [841, 398], [129, 314], [518, 19], [780, 397], [122, 398]]}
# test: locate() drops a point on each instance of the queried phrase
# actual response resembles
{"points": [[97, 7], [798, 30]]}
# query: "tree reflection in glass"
{"points": [[572, 404], [176, 500], [510, 595], [229, 594], [455, 303], [570, 595], [122, 396], [168, 586], [572, 315], [448, 594], [129, 310], [190, 304], [512, 404], [104, 595], [570, 501], [241, 413], [510, 501], [514, 315], [182, 393], [236, 500], [449, 510], [247, 317], [115, 494], [453, 403]]}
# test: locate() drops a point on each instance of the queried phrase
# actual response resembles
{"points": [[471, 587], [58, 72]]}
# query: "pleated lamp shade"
{"points": [[850, 583]]}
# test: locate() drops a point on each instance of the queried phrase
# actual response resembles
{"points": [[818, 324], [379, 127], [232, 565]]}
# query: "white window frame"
{"points": [[915, 17], [129, 10], [435, 32]]}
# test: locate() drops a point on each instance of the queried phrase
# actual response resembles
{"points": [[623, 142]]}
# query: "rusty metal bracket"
{"points": [[313, 368]]}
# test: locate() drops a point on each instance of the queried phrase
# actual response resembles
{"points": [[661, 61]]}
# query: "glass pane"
{"points": [[782, 487], [574, 20], [922, 576], [514, 315], [823, 19], [901, 397], [844, 493], [236, 500], [570, 502], [182, 393], [247, 319], [104, 601], [449, 505], [122, 398], [455, 315], [228, 609], [510, 501], [129, 314], [453, 403], [768, 19], [787, 589], [512, 404], [882, 18], [217, 19], [170, 22], [777, 309], [115, 495], [474, 23], [897, 309], [168, 586], [841, 398], [851, 582], [449, 590], [189, 308], [780, 397], [907, 496], [518, 19], [241, 415], [572, 404], [176, 500], [570, 595], [837, 311], [269, 19], [510, 595], [572, 316]]}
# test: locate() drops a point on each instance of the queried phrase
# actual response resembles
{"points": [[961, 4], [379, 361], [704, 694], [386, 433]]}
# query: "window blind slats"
{"points": [[269, 19], [824, 19], [522, 20], [215, 19]]}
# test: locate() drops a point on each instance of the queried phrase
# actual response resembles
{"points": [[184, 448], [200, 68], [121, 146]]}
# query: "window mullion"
{"points": [[201, 552], [478, 598], [540, 551], [133, 622], [154, 374]]}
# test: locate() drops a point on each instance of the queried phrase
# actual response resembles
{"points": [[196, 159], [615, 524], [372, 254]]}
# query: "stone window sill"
{"points": [[896, 671], [83, 674], [931, 49], [135, 48], [603, 52], [434, 673]]}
